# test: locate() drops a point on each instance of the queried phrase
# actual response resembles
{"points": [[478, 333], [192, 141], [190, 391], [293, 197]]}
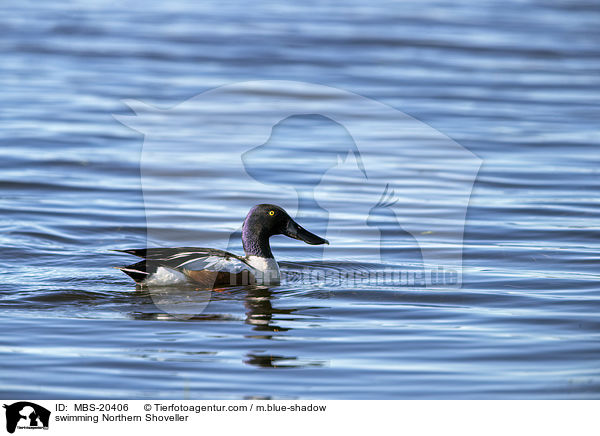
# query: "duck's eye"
{"points": [[271, 212]]}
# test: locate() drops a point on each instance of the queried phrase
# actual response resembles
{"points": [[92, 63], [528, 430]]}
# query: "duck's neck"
{"points": [[256, 244]]}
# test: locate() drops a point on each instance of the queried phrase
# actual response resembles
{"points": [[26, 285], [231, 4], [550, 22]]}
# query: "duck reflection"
{"points": [[268, 360], [260, 315], [275, 361], [260, 312]]}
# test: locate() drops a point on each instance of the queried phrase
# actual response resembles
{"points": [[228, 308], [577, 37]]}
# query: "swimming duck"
{"points": [[213, 268]]}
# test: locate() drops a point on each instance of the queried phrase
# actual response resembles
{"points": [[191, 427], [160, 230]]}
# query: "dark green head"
{"points": [[266, 220]]}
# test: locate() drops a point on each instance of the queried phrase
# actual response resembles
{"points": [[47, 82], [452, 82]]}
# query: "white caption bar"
{"points": [[291, 417]]}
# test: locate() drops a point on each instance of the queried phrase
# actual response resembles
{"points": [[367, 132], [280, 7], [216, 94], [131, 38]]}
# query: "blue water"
{"points": [[515, 83]]}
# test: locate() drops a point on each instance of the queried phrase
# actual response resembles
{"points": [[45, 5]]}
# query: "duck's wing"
{"points": [[193, 258], [197, 264]]}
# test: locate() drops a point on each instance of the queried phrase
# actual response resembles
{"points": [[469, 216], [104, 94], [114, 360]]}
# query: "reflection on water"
{"points": [[260, 317], [272, 361], [260, 312]]}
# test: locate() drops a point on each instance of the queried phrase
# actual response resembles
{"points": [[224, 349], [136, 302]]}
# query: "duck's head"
{"points": [[266, 220]]}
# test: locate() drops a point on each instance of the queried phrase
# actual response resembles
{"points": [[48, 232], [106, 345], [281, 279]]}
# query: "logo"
{"points": [[26, 415]]}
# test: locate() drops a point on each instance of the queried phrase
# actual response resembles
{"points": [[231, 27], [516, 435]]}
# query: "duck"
{"points": [[213, 268]]}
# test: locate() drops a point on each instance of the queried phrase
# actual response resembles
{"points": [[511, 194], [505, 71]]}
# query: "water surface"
{"points": [[516, 83]]}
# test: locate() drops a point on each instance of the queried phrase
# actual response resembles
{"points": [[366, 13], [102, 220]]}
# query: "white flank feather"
{"points": [[166, 277]]}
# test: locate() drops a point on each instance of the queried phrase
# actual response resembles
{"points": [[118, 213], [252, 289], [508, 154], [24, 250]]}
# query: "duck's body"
{"points": [[204, 266], [212, 268]]}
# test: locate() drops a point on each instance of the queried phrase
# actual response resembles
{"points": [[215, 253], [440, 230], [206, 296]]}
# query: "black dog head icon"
{"points": [[30, 413]]}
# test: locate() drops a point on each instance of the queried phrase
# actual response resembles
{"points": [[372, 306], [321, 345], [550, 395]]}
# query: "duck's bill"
{"points": [[293, 230]]}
